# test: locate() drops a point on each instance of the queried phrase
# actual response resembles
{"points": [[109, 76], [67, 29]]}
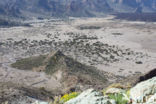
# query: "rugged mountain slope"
{"points": [[53, 7], [44, 8], [133, 5]]}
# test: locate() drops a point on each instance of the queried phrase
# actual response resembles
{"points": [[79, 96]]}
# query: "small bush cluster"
{"points": [[119, 98], [67, 97]]}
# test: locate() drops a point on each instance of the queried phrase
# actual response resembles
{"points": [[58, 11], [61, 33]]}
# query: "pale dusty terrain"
{"points": [[128, 42]]}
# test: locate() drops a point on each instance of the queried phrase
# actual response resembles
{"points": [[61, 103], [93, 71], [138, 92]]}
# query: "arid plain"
{"points": [[119, 47]]}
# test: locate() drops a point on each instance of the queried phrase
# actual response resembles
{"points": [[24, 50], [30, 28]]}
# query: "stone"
{"points": [[143, 91], [91, 96]]}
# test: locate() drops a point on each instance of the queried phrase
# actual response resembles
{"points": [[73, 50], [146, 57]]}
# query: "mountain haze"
{"points": [[59, 8]]}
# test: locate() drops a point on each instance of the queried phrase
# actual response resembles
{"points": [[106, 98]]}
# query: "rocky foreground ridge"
{"points": [[74, 79], [143, 93]]}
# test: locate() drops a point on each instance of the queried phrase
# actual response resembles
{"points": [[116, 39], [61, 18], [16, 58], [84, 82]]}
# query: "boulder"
{"points": [[40, 102], [91, 96], [144, 92]]}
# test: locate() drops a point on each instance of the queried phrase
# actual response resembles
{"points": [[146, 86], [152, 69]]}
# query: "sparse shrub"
{"points": [[42, 88], [89, 27], [119, 97], [120, 86], [116, 85], [139, 62], [117, 33]]}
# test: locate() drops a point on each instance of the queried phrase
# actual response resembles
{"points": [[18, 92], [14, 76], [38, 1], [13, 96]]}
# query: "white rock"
{"points": [[142, 91], [90, 97]]}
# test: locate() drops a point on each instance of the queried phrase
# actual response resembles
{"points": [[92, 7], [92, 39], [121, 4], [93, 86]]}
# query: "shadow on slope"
{"points": [[9, 23]]}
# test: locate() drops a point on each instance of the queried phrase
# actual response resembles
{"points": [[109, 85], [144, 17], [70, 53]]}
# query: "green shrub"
{"points": [[119, 98]]}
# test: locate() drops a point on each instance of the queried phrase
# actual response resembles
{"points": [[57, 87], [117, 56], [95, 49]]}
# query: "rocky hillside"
{"points": [[45, 8], [72, 74], [76, 78], [142, 93]]}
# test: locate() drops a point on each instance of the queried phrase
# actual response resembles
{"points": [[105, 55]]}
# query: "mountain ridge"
{"points": [[76, 8]]}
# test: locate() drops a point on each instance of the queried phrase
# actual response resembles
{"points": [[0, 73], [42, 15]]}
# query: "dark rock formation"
{"points": [[147, 76]]}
